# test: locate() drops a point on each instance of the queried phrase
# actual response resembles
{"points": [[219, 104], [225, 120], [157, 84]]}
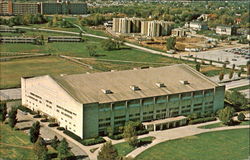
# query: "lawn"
{"points": [[220, 124], [14, 144], [219, 145], [12, 71], [124, 148]]}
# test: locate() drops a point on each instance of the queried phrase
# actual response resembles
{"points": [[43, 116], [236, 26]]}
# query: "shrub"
{"points": [[72, 135], [116, 137], [241, 117], [37, 116], [24, 109], [93, 141], [60, 128], [53, 125], [202, 120], [141, 132]]}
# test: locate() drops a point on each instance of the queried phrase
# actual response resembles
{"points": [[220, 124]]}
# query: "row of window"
{"points": [[72, 113]]}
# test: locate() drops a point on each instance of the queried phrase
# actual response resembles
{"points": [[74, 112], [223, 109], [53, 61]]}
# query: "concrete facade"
{"points": [[196, 25], [224, 30], [127, 25], [88, 111], [179, 32], [25, 8]]}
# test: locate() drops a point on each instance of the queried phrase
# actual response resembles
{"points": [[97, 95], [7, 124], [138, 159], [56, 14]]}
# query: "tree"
{"points": [[91, 50], [233, 67], [238, 100], [63, 149], [224, 65], [110, 131], [129, 134], [226, 115], [231, 74], [12, 117], [170, 43], [40, 149], [198, 66], [108, 45], [3, 112], [34, 132], [107, 152], [221, 76], [239, 74], [55, 142], [241, 116]]}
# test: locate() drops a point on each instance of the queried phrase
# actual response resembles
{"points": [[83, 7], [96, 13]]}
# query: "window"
{"points": [[134, 103], [162, 99]]}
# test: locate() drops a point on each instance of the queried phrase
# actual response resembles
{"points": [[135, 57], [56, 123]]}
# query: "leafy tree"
{"points": [[226, 115], [91, 50], [40, 149], [63, 149], [238, 100], [129, 134], [3, 112], [198, 66], [231, 74], [12, 117], [233, 67], [55, 142], [108, 45], [221, 76], [239, 74], [110, 131], [34, 132], [170, 43], [241, 116], [107, 152]]}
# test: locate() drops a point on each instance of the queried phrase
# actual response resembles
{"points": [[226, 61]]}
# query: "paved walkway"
{"points": [[10, 94], [166, 135]]}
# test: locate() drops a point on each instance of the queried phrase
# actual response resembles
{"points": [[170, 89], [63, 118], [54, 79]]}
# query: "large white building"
{"points": [[87, 104]]}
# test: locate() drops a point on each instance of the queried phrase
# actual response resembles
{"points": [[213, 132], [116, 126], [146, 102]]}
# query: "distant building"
{"points": [[18, 40], [226, 30], [127, 25], [64, 7], [108, 24], [87, 104], [196, 25], [156, 28], [179, 32], [64, 39]]}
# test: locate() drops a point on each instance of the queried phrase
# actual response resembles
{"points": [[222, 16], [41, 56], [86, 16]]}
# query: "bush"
{"points": [[37, 116], [141, 132], [116, 137], [202, 120], [93, 141], [72, 135], [60, 128], [53, 125]]}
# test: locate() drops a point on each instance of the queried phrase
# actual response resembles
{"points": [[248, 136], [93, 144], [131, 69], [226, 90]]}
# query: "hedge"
{"points": [[25, 109], [93, 141], [37, 116], [141, 132], [202, 120], [60, 128], [53, 125], [116, 137], [44, 120], [86, 142]]}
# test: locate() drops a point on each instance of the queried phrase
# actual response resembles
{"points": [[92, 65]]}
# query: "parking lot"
{"points": [[237, 56]]}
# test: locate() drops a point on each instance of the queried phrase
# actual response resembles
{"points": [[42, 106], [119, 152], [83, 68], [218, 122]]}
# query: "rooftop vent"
{"points": [[135, 88], [159, 84], [184, 82], [106, 91]]}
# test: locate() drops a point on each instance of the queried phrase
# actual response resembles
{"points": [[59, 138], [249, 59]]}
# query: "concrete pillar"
{"points": [[154, 127]]}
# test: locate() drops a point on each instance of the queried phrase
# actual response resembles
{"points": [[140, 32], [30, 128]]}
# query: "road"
{"points": [[127, 44], [10, 94]]}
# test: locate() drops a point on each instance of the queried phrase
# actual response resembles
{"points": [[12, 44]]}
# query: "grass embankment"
{"points": [[220, 124], [124, 148], [219, 145], [241, 88], [12, 71]]}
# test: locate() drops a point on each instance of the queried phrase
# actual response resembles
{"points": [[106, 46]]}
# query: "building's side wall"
{"points": [[25, 8], [200, 102], [45, 95]]}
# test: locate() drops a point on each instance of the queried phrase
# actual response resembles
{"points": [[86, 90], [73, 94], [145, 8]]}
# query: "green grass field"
{"points": [[14, 144], [12, 71], [220, 145], [124, 148]]}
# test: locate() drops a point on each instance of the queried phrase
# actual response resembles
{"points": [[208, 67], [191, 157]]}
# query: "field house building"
{"points": [[86, 104]]}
